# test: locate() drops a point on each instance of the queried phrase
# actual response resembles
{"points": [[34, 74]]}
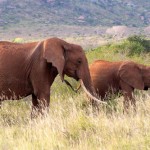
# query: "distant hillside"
{"points": [[134, 13]]}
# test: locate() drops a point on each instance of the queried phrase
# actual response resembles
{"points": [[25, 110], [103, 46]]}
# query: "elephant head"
{"points": [[70, 60], [135, 75]]}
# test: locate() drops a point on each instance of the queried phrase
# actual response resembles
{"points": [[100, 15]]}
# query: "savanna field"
{"points": [[72, 123]]}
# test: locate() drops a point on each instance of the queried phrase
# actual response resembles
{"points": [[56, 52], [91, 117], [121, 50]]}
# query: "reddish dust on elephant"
{"points": [[124, 76], [30, 69]]}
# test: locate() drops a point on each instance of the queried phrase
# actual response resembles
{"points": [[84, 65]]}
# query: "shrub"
{"points": [[141, 41], [133, 45]]}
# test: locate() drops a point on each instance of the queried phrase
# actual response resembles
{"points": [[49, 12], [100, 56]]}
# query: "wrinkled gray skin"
{"points": [[31, 68]]}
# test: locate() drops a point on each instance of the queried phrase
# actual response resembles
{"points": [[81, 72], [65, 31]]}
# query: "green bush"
{"points": [[141, 42], [134, 48], [133, 45]]}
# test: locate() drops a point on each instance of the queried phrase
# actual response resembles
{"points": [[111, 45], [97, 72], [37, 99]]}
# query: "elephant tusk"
{"points": [[90, 95], [86, 91], [75, 90]]}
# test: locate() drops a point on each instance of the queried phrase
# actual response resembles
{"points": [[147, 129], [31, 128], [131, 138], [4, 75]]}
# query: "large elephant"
{"points": [[31, 68], [124, 76]]}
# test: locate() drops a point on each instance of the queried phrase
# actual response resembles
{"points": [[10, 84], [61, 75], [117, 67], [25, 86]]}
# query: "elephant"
{"points": [[123, 76], [30, 69]]}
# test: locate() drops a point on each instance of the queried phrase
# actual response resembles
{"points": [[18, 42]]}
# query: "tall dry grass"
{"points": [[72, 123]]}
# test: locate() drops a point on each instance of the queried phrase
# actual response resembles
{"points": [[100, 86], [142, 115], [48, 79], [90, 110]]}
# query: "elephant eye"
{"points": [[79, 62]]}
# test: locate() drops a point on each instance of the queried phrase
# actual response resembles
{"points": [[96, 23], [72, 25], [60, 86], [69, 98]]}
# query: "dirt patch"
{"points": [[118, 31], [147, 30]]}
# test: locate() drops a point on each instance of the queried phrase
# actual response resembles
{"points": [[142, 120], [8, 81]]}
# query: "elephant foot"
{"points": [[39, 113]]}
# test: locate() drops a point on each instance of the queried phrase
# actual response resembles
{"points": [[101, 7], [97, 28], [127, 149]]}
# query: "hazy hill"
{"points": [[75, 12]]}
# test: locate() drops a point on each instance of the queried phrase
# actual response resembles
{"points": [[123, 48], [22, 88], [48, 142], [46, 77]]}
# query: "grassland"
{"points": [[72, 124]]}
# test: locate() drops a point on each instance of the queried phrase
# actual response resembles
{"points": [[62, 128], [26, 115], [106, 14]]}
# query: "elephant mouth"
{"points": [[76, 76], [146, 88], [75, 90], [73, 74]]}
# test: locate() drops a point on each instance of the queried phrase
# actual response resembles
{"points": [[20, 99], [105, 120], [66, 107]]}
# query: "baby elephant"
{"points": [[124, 76]]}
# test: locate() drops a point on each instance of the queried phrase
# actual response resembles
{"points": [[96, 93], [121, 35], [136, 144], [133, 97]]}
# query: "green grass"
{"points": [[72, 124]]}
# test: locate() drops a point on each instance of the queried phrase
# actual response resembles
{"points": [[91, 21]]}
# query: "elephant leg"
{"points": [[41, 96], [127, 99], [127, 93], [133, 103], [44, 101], [40, 104], [35, 107]]}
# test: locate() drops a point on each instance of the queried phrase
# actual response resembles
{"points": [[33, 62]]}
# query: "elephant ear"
{"points": [[130, 73], [54, 53]]}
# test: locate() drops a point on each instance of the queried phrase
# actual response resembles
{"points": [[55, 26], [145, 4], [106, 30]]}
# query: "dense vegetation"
{"points": [[72, 122], [133, 45], [79, 12]]}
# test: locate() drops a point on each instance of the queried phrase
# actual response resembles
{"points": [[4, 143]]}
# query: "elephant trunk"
{"points": [[86, 83], [90, 94]]}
